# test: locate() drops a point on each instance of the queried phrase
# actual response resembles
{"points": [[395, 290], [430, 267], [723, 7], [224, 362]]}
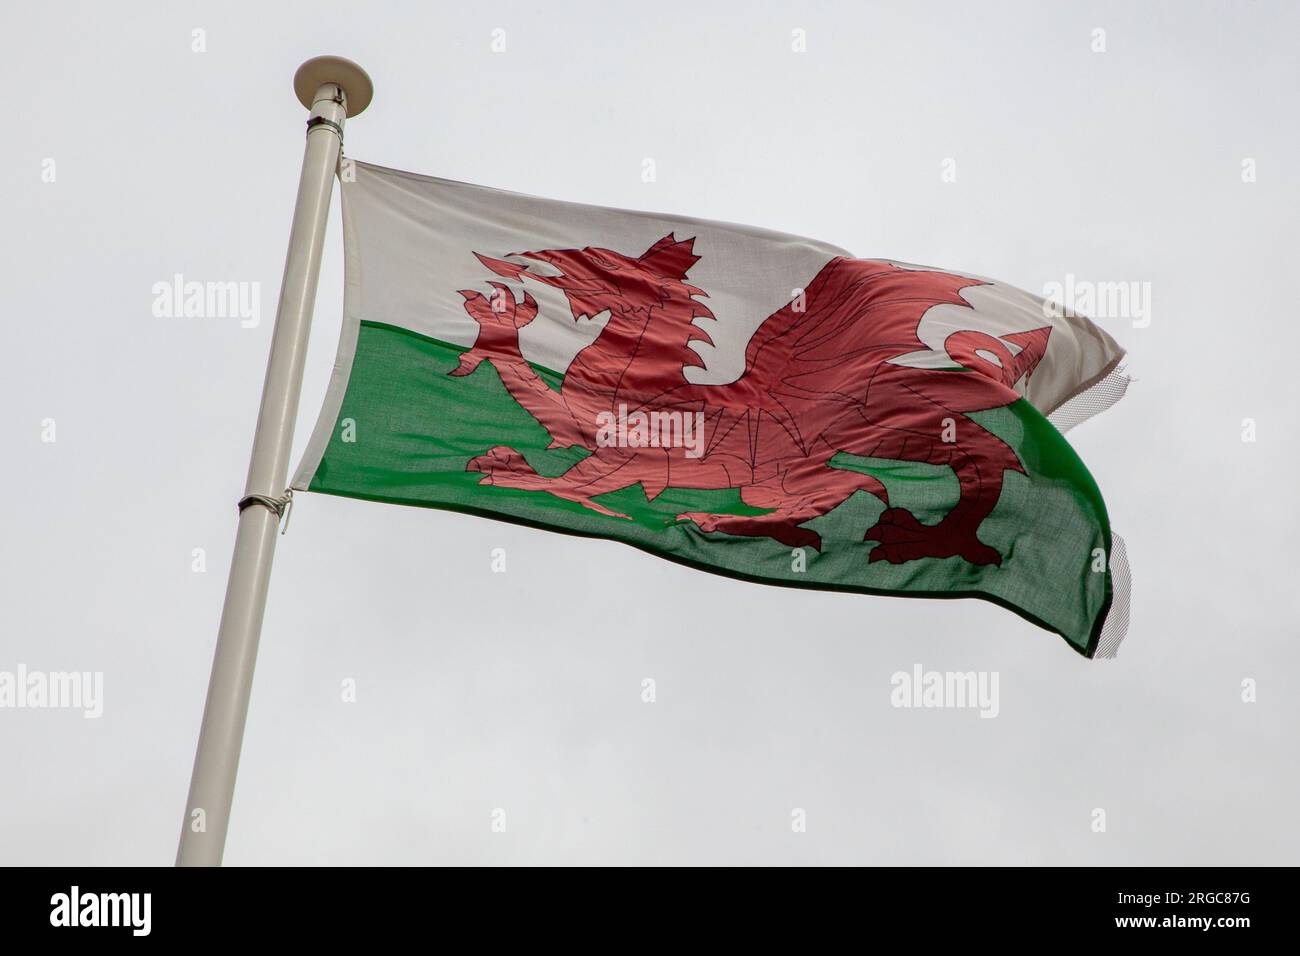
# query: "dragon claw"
{"points": [[499, 320], [503, 467], [469, 361], [497, 461], [903, 538], [702, 519]]}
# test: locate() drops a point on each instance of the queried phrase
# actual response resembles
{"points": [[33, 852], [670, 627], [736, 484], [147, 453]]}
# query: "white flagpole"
{"points": [[332, 88]]}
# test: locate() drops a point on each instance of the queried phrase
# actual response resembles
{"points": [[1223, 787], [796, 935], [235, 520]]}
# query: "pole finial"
{"points": [[334, 69]]}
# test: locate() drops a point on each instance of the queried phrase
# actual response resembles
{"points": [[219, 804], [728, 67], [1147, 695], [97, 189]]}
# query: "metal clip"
{"points": [[282, 506]]}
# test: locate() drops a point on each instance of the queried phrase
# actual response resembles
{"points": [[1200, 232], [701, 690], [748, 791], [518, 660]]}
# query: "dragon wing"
{"points": [[822, 347]]}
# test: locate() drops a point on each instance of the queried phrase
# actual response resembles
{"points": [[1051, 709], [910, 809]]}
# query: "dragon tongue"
{"points": [[501, 267]]}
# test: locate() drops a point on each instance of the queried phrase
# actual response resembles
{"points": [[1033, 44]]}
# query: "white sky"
{"points": [[522, 691]]}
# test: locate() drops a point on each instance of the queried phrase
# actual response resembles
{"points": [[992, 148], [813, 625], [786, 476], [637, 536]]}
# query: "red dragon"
{"points": [[818, 380]]}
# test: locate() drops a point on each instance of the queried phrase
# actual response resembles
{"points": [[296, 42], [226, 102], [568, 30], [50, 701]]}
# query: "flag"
{"points": [[742, 401]]}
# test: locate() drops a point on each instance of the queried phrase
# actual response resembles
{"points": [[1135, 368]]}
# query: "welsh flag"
{"points": [[746, 402]]}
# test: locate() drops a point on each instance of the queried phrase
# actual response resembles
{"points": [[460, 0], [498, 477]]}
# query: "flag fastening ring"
{"points": [[322, 121], [282, 506]]}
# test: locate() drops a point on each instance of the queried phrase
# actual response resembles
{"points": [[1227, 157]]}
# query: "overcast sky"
{"points": [[1162, 151]]}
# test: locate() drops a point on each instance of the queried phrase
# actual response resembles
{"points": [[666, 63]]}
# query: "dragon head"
{"points": [[595, 279]]}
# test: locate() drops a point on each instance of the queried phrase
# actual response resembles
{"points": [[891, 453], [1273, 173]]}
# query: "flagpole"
{"points": [[333, 89]]}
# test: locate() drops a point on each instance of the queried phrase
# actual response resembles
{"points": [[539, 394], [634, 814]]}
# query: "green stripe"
{"points": [[415, 428]]}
